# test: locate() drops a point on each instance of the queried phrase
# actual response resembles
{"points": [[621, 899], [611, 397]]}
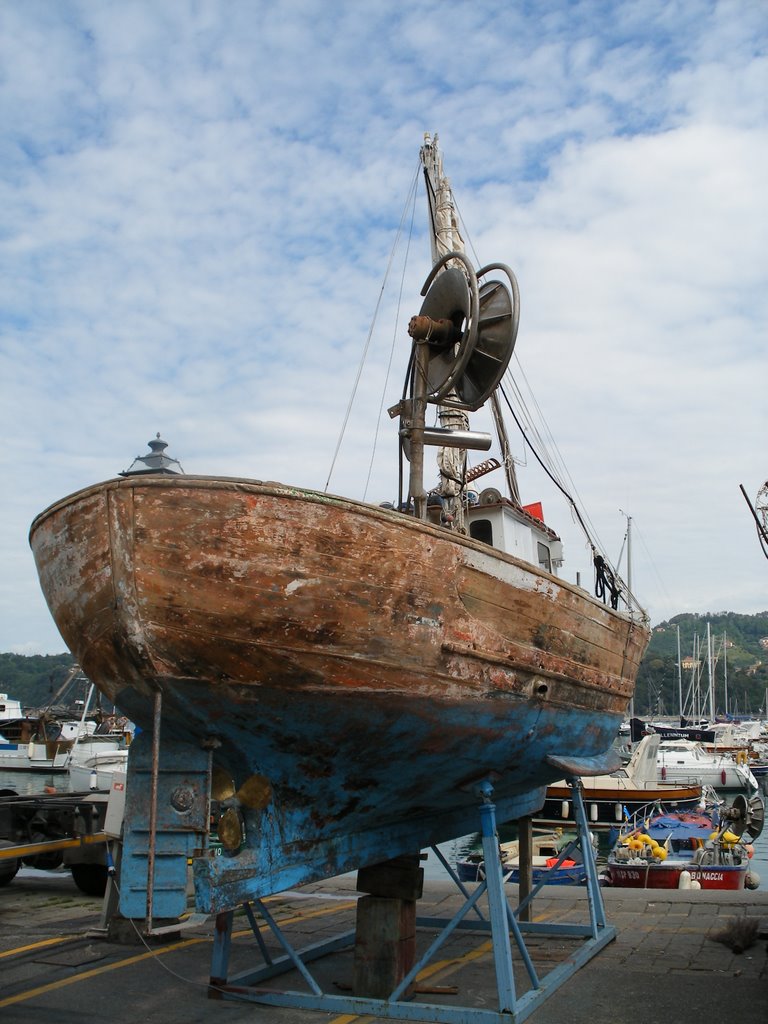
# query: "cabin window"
{"points": [[544, 560], [481, 529]]}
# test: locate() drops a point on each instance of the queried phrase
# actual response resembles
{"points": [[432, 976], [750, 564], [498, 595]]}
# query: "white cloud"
{"points": [[198, 206]]}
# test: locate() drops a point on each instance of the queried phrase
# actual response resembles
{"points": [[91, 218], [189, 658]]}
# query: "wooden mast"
{"points": [[445, 238]]}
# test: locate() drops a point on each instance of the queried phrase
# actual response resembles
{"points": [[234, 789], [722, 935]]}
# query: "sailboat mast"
{"points": [[710, 675], [679, 678], [629, 557]]}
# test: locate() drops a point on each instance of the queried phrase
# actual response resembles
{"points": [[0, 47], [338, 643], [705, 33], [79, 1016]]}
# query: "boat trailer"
{"points": [[47, 830]]}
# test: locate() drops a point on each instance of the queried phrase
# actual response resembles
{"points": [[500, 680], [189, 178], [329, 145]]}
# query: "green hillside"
{"points": [[34, 679], [739, 655]]}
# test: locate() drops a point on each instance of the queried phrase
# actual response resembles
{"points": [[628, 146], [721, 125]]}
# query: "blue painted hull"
{"points": [[344, 792]]}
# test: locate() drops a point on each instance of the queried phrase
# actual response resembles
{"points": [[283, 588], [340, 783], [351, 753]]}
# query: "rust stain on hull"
{"points": [[232, 581]]}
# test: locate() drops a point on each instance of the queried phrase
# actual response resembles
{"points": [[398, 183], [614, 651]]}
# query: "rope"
{"points": [[605, 581], [547, 470], [412, 199], [409, 201]]}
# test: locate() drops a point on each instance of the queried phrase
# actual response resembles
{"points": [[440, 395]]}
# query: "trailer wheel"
{"points": [[8, 868], [90, 878], [45, 861]]}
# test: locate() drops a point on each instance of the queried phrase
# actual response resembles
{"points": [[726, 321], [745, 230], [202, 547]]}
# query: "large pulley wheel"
{"points": [[497, 325], [453, 296], [746, 815], [475, 330]]}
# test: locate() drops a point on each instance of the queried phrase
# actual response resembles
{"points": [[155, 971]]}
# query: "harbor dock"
{"points": [[55, 962]]}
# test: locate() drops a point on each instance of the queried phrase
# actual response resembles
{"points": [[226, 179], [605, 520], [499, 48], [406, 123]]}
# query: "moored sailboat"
{"points": [[339, 676]]}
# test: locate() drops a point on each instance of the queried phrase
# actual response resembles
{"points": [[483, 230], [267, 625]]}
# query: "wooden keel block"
{"points": [[401, 878], [385, 945]]}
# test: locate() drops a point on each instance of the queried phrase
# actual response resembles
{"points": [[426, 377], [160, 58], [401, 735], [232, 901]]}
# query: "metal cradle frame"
{"points": [[503, 924]]}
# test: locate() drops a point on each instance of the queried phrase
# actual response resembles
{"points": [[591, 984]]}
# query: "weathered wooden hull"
{"points": [[370, 667]]}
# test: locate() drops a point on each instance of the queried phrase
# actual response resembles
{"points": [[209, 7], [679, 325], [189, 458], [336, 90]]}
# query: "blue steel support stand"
{"points": [[503, 926]]}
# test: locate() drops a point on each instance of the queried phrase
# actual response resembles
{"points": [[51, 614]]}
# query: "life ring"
{"points": [[741, 757]]}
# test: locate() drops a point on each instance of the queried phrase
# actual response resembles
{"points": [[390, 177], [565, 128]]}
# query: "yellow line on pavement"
{"points": [[37, 945], [52, 986], [62, 982]]}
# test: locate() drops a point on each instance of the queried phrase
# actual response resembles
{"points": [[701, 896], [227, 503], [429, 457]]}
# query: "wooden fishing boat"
{"points": [[705, 849], [350, 672]]}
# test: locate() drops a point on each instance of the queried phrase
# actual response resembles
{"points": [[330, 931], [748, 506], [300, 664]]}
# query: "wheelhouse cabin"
{"points": [[520, 531]]}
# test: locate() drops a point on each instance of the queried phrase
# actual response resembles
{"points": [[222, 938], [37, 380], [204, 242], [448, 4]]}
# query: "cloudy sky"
{"points": [[198, 202]]}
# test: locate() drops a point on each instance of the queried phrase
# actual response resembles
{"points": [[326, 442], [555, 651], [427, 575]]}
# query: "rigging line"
{"points": [[623, 545], [649, 556], [762, 532], [551, 451], [394, 336], [534, 436], [550, 443], [554, 480], [464, 231], [407, 385], [411, 192]]}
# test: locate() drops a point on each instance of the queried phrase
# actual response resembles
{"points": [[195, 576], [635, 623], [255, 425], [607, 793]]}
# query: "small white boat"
{"points": [[38, 746], [547, 865], [685, 760], [96, 771]]}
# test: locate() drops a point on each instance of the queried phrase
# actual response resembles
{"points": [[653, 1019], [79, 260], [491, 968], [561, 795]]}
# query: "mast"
{"points": [[629, 556], [710, 675], [445, 237], [679, 678]]}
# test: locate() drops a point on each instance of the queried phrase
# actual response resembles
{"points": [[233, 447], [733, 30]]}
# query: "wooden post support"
{"points": [[385, 935], [525, 837]]}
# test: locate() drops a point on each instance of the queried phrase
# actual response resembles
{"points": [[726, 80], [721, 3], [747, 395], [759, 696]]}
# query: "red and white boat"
{"points": [[705, 849]]}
